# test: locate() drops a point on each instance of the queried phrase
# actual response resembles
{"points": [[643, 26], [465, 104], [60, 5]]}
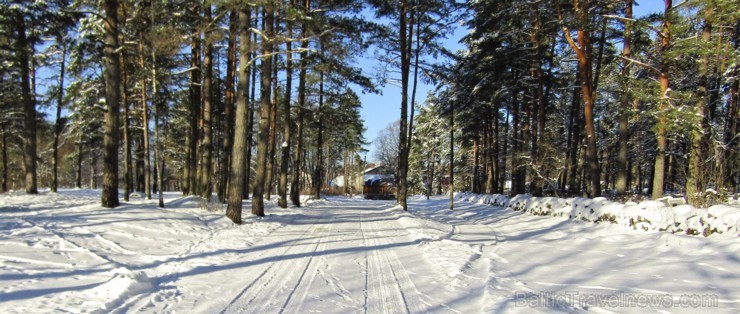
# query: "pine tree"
{"points": [[112, 97]]}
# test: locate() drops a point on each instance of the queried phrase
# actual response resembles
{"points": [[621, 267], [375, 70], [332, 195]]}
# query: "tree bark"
{"points": [[319, 170], [269, 181], [585, 61], [252, 103], [452, 156], [537, 181], [78, 181], [93, 184], [158, 149], [5, 161], [194, 103], [496, 188], [417, 52], [694, 182], [622, 158], [30, 158], [206, 185], [476, 164], [659, 171], [285, 147], [109, 197], [403, 159], [489, 152], [297, 161], [145, 124], [575, 143], [127, 166], [58, 125], [518, 172], [238, 158], [504, 153], [228, 108], [258, 207]]}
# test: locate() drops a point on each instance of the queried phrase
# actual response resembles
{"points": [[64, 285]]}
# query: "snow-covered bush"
{"points": [[646, 215]]}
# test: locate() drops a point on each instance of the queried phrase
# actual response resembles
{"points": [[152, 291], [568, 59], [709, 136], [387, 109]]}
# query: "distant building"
{"points": [[379, 183]]}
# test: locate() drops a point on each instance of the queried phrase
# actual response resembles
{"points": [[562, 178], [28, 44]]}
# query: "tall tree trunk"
{"points": [[489, 153], [228, 108], [258, 207], [319, 170], [476, 164], [93, 164], [514, 136], [285, 147], [730, 164], [127, 166], [5, 161], [403, 158], [537, 135], [587, 93], [496, 188], [526, 140], [504, 154], [622, 158], [24, 53], [109, 197], [273, 129], [127, 180], [659, 172], [206, 185], [58, 124], [452, 156], [297, 161], [345, 174], [417, 52], [429, 184], [145, 124], [252, 104], [694, 182], [78, 179], [585, 60], [139, 164], [194, 104], [241, 133], [575, 144], [158, 149]]}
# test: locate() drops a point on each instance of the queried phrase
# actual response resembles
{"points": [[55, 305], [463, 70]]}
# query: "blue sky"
{"points": [[380, 110]]}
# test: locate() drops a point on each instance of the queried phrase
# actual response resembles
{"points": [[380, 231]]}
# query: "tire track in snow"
{"points": [[390, 286], [312, 275], [253, 290]]}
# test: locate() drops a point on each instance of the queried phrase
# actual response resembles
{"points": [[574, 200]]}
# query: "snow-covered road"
{"points": [[63, 253], [344, 256]]}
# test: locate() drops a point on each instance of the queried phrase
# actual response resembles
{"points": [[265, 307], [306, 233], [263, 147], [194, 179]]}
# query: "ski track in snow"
{"points": [[64, 253]]}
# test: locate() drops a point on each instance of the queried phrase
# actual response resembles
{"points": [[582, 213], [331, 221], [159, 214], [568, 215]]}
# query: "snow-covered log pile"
{"points": [[646, 215]]}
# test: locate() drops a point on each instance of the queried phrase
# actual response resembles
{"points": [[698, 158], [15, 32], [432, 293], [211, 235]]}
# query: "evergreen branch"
{"points": [[642, 64], [566, 31]]}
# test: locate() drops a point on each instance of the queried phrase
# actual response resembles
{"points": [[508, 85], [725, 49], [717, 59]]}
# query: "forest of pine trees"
{"points": [[255, 98], [584, 98]]}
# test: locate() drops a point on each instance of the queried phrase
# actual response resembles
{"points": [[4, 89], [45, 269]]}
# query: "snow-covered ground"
{"points": [[64, 253]]}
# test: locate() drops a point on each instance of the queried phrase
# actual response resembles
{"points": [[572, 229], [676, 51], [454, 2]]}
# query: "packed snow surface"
{"points": [[63, 252]]}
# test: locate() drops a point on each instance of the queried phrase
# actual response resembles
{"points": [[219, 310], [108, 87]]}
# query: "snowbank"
{"points": [[647, 215]]}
